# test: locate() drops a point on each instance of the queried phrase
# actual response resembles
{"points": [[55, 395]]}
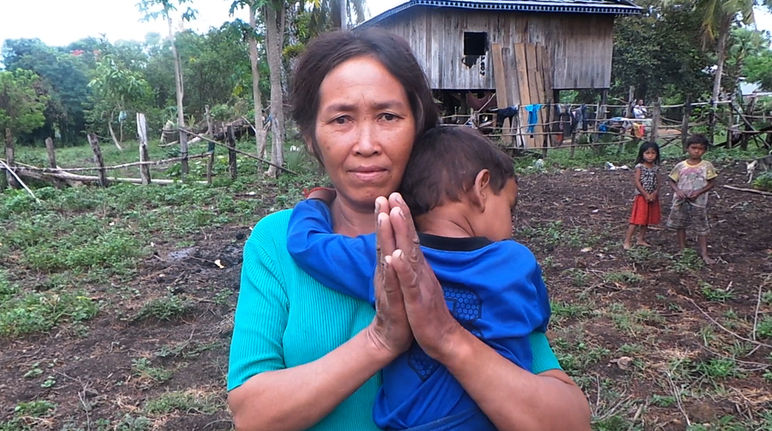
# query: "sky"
{"points": [[61, 22]]}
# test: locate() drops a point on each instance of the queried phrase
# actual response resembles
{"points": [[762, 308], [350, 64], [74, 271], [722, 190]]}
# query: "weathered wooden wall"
{"points": [[579, 45]]}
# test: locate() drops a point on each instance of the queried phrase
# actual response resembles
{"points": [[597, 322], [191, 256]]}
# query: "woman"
{"points": [[305, 356]]}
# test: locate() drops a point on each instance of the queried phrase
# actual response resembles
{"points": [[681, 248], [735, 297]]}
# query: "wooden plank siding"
{"points": [[579, 46]]}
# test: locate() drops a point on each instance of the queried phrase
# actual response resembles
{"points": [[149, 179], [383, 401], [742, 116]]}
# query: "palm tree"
{"points": [[717, 19]]}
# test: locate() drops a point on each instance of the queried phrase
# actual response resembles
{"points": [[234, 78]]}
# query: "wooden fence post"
{"points": [[94, 142], [9, 159], [231, 152], [51, 153], [655, 120], [144, 170], [685, 121]]}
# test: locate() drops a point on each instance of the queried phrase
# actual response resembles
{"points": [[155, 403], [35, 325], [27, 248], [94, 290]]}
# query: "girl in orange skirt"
{"points": [[646, 211]]}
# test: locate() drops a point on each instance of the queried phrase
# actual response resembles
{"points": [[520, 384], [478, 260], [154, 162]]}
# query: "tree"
{"points": [[274, 13], [717, 19], [115, 88], [63, 76], [254, 61], [164, 8], [660, 54], [21, 102]]}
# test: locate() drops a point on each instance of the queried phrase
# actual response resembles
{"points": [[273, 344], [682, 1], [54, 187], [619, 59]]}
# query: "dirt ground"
{"points": [[97, 388]]}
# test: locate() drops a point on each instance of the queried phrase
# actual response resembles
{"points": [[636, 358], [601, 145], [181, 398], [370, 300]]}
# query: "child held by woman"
{"points": [[646, 209]]}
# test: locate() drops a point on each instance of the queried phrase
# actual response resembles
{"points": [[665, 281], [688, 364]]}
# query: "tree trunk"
{"points": [[253, 60], [112, 132], [343, 15], [720, 57], [274, 17], [179, 87]]}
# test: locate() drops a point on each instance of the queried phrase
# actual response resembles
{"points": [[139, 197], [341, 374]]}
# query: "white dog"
{"points": [[750, 167]]}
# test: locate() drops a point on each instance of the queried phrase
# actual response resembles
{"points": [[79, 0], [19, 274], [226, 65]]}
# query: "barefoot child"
{"points": [[461, 190], [691, 180], [646, 211]]}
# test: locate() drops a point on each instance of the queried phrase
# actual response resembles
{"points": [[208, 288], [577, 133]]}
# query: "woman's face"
{"points": [[364, 131]]}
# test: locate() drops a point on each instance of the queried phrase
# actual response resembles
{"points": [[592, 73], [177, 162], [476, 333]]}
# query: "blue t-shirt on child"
{"points": [[494, 289]]}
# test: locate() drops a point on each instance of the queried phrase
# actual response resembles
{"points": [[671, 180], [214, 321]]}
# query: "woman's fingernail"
{"points": [[380, 218], [377, 206], [398, 254]]}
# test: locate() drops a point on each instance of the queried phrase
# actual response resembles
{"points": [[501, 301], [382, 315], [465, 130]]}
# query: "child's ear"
{"points": [[481, 188]]}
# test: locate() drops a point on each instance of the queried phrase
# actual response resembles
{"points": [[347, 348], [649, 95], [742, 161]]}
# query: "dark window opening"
{"points": [[475, 43]]}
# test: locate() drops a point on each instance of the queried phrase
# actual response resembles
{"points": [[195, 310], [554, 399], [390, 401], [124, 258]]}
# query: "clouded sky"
{"points": [[60, 22]]}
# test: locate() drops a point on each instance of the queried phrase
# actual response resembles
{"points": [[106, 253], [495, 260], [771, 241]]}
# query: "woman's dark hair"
{"points": [[645, 146], [444, 164], [331, 49]]}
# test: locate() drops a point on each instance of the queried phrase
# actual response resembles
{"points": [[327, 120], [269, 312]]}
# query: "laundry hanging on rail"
{"points": [[504, 114], [533, 115]]}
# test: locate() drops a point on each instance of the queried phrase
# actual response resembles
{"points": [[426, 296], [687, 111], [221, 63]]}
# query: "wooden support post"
{"points": [[8, 179], [184, 153], [51, 153], [94, 142], [712, 120], [144, 170], [500, 79], [209, 168], [655, 120], [748, 125], [231, 152], [10, 159], [630, 102], [685, 122]]}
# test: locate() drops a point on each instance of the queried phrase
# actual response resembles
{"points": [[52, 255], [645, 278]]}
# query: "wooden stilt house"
{"points": [[523, 52]]}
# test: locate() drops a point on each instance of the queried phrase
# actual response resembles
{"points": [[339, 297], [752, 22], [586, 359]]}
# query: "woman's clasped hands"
{"points": [[409, 300]]}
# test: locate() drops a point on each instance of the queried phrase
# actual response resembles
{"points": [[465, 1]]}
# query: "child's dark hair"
{"points": [[444, 164], [699, 139], [645, 146]]}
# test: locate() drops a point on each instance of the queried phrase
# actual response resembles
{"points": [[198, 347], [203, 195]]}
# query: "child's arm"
{"points": [[694, 194], [638, 185], [678, 192], [341, 263]]}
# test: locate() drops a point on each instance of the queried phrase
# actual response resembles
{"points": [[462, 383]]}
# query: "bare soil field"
{"points": [[656, 339]]}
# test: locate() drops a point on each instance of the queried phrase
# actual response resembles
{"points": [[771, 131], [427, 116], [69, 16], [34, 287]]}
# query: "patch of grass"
{"points": [[577, 357], [579, 278], [622, 277], [7, 289], [686, 262], [554, 233], [623, 319], [184, 402], [186, 349], [764, 327], [145, 371], [717, 368], [165, 308], [569, 310], [131, 423], [35, 409], [39, 312], [715, 295], [663, 400]]}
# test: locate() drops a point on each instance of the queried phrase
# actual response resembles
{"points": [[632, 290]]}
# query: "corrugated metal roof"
{"points": [[606, 7]]}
